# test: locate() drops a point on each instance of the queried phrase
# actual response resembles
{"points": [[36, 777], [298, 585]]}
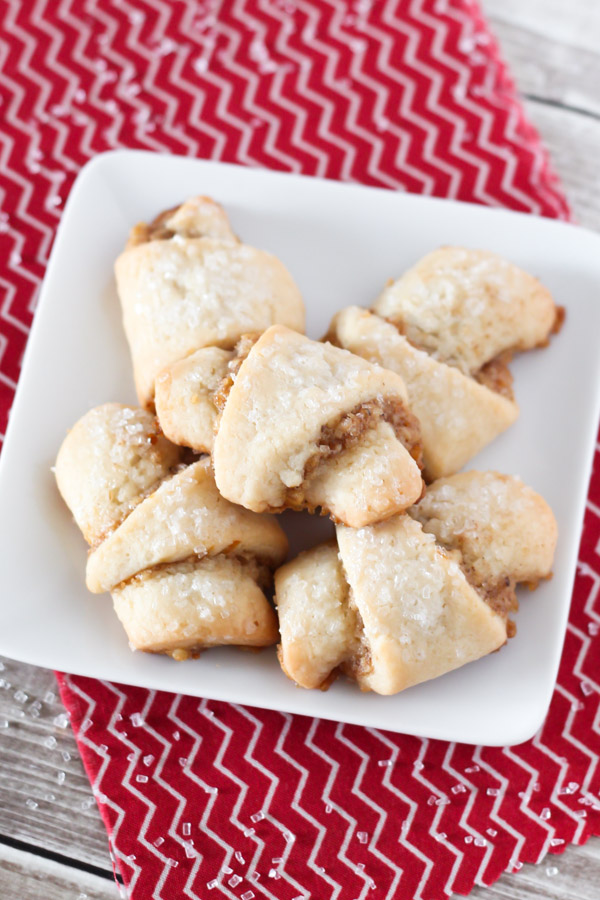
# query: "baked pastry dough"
{"points": [[449, 326], [392, 606], [188, 393], [185, 281], [467, 307], [185, 567], [458, 416], [303, 425], [502, 531]]}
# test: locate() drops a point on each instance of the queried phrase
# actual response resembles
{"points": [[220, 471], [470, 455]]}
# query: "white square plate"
{"points": [[341, 242]]}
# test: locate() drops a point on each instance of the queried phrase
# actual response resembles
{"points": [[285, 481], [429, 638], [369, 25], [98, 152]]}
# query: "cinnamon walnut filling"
{"points": [[256, 568], [559, 319], [155, 230], [496, 376], [359, 660], [242, 349], [347, 432], [499, 596], [351, 426]]}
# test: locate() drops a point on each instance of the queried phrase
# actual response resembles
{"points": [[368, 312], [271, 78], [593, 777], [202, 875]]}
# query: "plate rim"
{"points": [[96, 166]]}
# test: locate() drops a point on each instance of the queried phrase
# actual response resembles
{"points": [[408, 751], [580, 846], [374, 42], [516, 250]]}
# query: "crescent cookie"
{"points": [[299, 424], [449, 327], [503, 531], [467, 307], [392, 606], [185, 281], [185, 567], [458, 415]]}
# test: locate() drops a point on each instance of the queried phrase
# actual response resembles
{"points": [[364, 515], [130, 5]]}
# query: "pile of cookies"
{"points": [[241, 417]]}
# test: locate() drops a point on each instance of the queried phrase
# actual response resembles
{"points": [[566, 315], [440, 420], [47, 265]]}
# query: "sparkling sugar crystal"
{"points": [[257, 817], [551, 871], [234, 881], [570, 788], [362, 836]]}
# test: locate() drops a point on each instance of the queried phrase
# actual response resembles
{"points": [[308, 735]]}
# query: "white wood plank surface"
{"points": [[24, 876], [553, 49], [45, 796]]}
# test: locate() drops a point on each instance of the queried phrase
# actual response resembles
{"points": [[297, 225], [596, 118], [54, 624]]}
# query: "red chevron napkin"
{"points": [[199, 796]]}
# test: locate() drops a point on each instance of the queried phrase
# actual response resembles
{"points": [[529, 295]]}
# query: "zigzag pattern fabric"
{"points": [[201, 798]]}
